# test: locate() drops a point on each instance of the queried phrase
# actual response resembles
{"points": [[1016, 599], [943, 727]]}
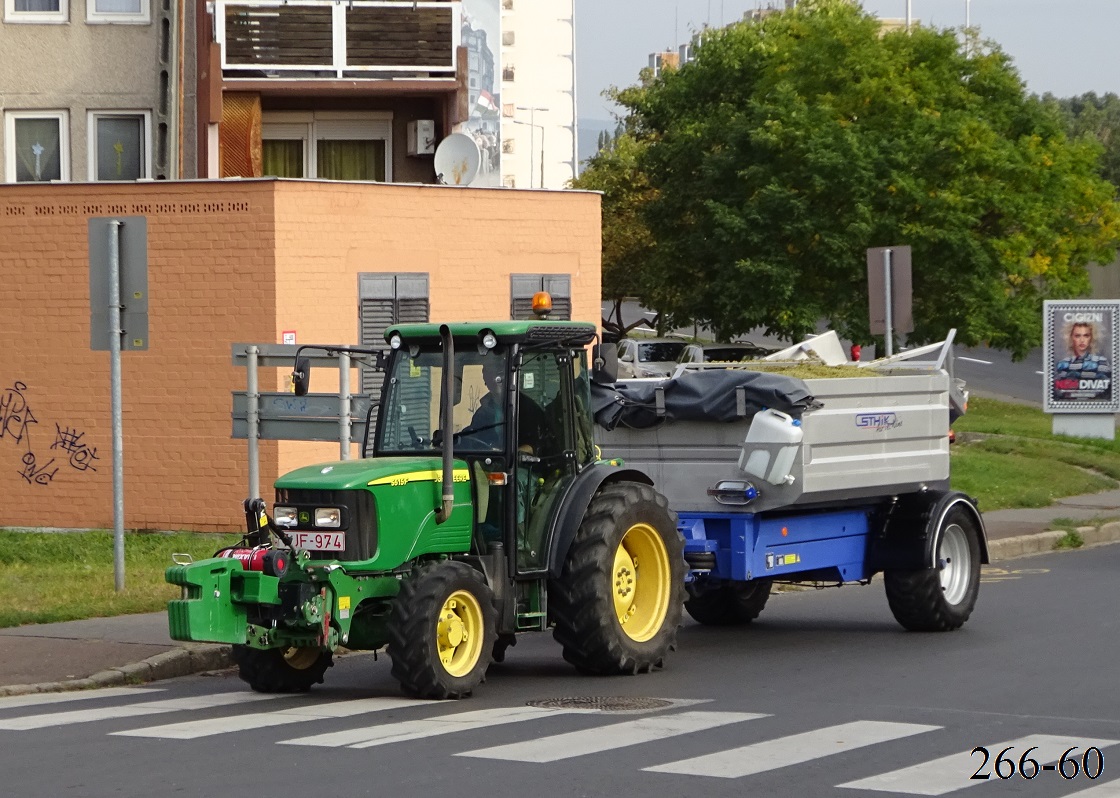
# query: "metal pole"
{"points": [[344, 405], [889, 336], [253, 421], [908, 15], [542, 156], [115, 333], [532, 142], [967, 14]]}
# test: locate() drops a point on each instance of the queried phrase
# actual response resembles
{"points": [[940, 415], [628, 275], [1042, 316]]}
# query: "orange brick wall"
{"points": [[231, 261]]}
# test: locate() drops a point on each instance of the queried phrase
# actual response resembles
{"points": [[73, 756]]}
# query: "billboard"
{"points": [[1080, 346]]}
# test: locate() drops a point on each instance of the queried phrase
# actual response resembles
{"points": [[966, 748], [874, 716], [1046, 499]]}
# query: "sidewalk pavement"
{"points": [[131, 649]]}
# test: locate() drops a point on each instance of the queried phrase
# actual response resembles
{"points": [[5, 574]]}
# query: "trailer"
{"points": [[776, 479]]}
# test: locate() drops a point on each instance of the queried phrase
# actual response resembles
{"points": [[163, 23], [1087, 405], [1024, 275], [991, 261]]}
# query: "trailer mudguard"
{"points": [[574, 505], [907, 529]]}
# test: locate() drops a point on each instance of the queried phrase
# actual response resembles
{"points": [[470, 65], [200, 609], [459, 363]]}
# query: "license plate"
{"points": [[319, 541]]}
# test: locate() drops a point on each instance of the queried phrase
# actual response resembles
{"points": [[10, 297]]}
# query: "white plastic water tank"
{"points": [[770, 446]]}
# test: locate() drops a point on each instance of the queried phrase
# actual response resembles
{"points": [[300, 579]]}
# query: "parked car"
{"points": [[648, 357], [723, 353]]}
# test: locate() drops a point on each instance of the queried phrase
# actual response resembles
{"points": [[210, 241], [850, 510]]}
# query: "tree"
{"points": [[627, 243], [1098, 117], [771, 162]]}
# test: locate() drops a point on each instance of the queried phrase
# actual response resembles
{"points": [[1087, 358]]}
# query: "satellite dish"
{"points": [[457, 160]]}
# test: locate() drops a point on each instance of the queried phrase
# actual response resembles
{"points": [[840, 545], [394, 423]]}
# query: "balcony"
{"points": [[336, 39]]}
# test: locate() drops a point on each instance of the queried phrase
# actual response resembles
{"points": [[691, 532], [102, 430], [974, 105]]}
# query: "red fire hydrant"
{"points": [[855, 352]]}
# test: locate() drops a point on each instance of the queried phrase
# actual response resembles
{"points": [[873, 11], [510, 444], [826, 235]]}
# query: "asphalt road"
{"points": [[825, 695]]}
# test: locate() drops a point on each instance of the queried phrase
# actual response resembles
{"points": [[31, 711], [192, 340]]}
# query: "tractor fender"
{"points": [[574, 505], [907, 534]]}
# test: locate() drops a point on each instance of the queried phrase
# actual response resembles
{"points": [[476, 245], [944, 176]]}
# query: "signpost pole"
{"points": [[889, 336], [115, 333], [253, 419]]}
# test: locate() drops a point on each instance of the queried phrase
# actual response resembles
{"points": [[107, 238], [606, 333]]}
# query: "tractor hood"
{"points": [[355, 474]]}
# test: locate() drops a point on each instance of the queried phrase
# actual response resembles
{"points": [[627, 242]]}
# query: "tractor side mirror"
{"points": [[604, 364], [301, 377]]}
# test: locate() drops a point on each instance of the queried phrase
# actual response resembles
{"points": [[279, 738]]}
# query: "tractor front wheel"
{"points": [[617, 604], [282, 670], [442, 630]]}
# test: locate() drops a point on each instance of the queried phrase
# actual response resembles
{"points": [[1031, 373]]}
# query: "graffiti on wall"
{"points": [[16, 421]]}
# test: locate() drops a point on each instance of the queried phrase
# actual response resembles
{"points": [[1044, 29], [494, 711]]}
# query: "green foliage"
{"points": [[1097, 118], [50, 577], [765, 168], [1070, 540], [1007, 457]]}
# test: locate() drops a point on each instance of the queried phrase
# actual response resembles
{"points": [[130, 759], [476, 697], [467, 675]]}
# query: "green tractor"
{"points": [[481, 511]]}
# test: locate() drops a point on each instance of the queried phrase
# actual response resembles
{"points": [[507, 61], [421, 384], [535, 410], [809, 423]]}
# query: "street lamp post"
{"points": [[532, 109]]}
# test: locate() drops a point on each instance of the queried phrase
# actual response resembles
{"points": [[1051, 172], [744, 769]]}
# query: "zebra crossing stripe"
{"points": [[795, 749], [954, 772], [26, 722], [371, 736], [189, 730], [605, 738], [13, 701]]}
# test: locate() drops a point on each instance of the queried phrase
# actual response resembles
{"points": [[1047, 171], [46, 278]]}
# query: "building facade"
{"points": [[239, 261], [364, 90]]}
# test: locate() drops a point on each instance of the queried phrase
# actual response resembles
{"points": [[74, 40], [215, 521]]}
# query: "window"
{"points": [[327, 145], [100, 12], [36, 11], [523, 286], [36, 146], [508, 72], [385, 300], [119, 145]]}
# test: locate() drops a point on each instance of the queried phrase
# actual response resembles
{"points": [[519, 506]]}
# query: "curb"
{"points": [[1044, 542], [181, 661]]}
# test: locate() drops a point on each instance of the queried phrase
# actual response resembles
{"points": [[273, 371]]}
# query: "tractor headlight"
{"points": [[285, 516], [395, 341], [328, 517]]}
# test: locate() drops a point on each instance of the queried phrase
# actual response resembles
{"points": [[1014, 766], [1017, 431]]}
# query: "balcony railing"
{"points": [[338, 38]]}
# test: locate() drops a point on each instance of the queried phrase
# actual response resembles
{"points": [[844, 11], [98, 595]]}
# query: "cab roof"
{"points": [[567, 333]]}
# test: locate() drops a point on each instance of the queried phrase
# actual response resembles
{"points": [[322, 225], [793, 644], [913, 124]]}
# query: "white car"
{"points": [[648, 357]]}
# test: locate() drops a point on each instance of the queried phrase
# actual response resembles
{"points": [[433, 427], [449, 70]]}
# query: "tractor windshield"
{"points": [[411, 411]]}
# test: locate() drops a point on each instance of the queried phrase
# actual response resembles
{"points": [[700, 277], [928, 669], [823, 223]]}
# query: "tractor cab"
{"points": [[514, 408]]}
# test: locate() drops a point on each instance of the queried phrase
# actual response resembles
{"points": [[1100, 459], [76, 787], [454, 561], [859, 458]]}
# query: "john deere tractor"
{"points": [[481, 511]]}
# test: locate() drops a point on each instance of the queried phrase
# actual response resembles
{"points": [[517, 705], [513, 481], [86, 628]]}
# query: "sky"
{"points": [[1065, 47]]}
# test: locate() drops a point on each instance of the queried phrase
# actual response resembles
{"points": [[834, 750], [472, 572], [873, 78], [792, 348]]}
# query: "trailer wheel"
{"points": [[728, 603], [442, 631], [617, 604], [940, 599], [282, 670]]}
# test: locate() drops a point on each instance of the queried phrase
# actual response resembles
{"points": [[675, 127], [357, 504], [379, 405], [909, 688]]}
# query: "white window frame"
{"points": [[63, 118], [60, 17], [313, 126], [91, 139], [95, 17]]}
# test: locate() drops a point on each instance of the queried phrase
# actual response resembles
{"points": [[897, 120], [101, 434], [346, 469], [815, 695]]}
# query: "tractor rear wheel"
{"points": [[282, 670], [940, 599], [442, 630], [617, 604], [727, 603]]}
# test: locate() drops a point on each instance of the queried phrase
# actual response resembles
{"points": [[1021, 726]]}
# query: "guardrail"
{"points": [[286, 417]]}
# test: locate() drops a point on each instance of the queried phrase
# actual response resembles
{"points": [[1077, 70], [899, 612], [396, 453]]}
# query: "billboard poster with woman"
{"points": [[1080, 349]]}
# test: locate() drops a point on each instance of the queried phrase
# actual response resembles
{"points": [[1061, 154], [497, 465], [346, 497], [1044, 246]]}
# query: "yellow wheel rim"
{"points": [[640, 582], [301, 658], [459, 633]]}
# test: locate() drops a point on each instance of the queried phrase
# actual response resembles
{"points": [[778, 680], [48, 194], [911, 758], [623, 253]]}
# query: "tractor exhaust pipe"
{"points": [[444, 511]]}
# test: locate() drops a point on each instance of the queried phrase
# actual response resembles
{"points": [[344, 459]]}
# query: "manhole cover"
{"points": [[603, 703]]}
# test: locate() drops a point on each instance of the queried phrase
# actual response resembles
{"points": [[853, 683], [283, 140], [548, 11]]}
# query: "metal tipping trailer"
{"points": [[777, 479]]}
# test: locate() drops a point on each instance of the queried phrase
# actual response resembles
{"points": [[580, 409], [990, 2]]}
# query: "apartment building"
{"points": [[87, 91], [366, 90]]}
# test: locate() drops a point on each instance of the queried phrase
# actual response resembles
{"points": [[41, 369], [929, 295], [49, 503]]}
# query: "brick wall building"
{"points": [[231, 261]]}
